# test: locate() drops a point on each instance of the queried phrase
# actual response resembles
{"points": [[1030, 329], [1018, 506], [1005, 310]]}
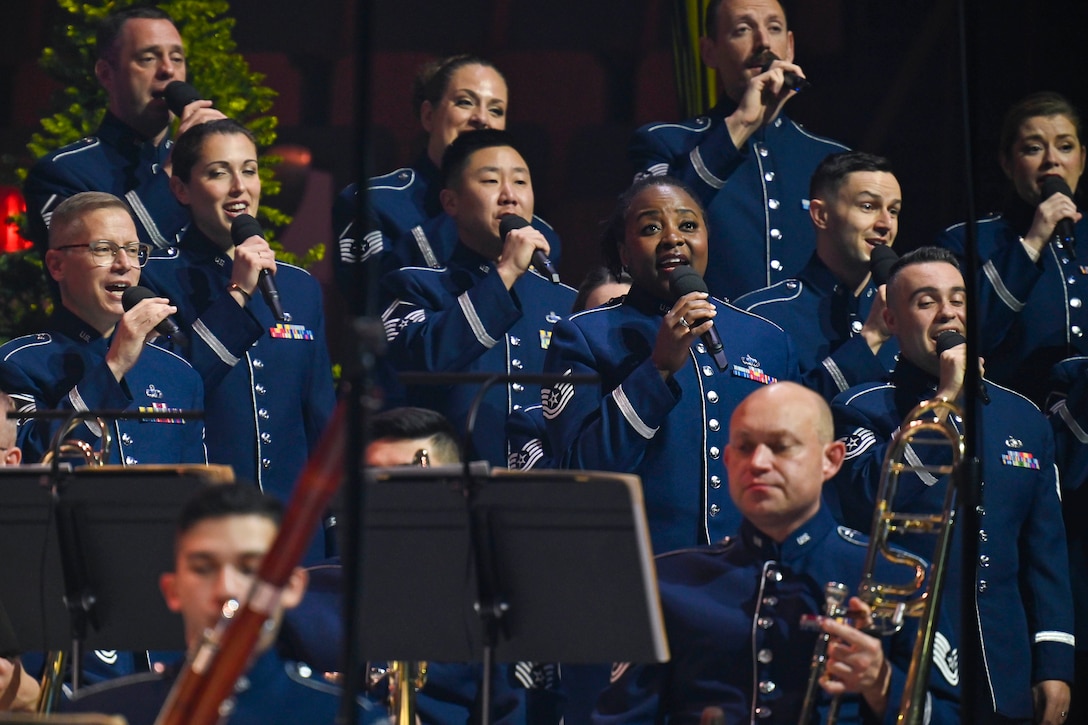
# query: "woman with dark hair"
{"points": [[450, 96], [267, 382], [1032, 286], [662, 407]]}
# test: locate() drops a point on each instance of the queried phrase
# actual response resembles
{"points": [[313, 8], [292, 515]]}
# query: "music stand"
{"points": [[571, 559], [119, 522]]}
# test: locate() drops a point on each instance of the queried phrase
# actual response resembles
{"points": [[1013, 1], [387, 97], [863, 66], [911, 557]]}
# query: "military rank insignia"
{"points": [[750, 370], [290, 332], [545, 339], [161, 408], [1020, 459]]}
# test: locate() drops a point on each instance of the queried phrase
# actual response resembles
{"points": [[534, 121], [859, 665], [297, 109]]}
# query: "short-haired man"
{"points": [[748, 162], [95, 355], [1022, 592], [733, 610], [139, 53], [833, 310], [485, 311], [223, 534]]}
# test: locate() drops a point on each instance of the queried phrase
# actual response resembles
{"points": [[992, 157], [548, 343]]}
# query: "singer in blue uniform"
{"points": [[833, 309], [129, 155], [407, 225], [96, 356], [1031, 286], [1022, 592], [269, 389], [748, 163], [734, 610], [485, 311], [662, 406]]}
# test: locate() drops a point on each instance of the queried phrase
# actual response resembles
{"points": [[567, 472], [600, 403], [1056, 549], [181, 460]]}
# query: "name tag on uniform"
{"points": [[291, 332], [161, 408]]}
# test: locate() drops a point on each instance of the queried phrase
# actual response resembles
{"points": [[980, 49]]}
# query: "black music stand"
{"points": [[571, 569], [118, 527]]}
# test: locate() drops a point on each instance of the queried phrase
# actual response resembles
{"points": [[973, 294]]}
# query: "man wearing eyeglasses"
{"points": [[95, 355]]}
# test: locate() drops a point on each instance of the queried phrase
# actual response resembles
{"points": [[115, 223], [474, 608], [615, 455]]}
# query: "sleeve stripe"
{"points": [[425, 247], [146, 220], [78, 403], [1063, 412], [213, 342], [629, 413], [836, 374], [999, 286], [703, 171], [475, 322], [1059, 637]]}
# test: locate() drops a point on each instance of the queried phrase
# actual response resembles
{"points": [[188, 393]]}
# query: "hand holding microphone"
{"points": [[178, 95], [949, 339], [167, 327], [685, 280], [243, 229], [540, 260], [1063, 230]]}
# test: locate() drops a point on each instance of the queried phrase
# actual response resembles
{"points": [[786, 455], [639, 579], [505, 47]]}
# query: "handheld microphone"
{"points": [[793, 81], [167, 328], [950, 339], [1064, 229], [881, 260], [244, 227], [178, 95], [684, 280], [540, 260]]}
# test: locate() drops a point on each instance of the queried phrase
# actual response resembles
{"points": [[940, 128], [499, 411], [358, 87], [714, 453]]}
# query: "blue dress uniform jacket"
{"points": [[672, 434], [269, 389], [65, 369], [1022, 588], [756, 198], [273, 692], [732, 614], [824, 318], [462, 319], [117, 161], [407, 224], [1034, 314]]}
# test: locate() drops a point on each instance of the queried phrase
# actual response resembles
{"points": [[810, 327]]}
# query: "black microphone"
{"points": [[1064, 229], [509, 223], [244, 227], [167, 328], [683, 280], [881, 260], [950, 339], [793, 81], [178, 95]]}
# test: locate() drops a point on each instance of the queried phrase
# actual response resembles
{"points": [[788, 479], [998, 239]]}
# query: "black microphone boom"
{"points": [[1064, 229], [950, 339], [178, 95], [167, 328], [684, 280], [244, 227], [509, 223]]}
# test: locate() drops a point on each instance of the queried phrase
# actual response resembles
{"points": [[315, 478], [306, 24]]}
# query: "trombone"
{"points": [[929, 424]]}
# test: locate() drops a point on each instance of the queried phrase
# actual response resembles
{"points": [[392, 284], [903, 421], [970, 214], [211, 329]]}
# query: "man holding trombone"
{"points": [[734, 611], [1021, 593]]}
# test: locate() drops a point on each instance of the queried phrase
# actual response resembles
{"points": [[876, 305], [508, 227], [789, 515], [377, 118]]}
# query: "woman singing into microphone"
{"points": [[662, 407], [1032, 287], [268, 384]]}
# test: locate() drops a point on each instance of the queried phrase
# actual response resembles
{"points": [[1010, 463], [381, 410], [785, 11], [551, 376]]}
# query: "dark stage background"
{"points": [[584, 74]]}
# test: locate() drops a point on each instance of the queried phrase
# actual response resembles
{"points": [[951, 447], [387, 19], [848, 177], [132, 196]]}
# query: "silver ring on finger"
{"points": [[684, 322]]}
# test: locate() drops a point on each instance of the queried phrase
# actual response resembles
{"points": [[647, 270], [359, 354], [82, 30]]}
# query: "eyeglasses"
{"points": [[103, 252]]}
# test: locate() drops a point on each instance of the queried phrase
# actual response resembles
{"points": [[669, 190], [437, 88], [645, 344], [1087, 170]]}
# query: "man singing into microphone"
{"points": [[485, 311], [268, 384], [94, 355], [139, 53], [748, 163], [1022, 591], [834, 308]]}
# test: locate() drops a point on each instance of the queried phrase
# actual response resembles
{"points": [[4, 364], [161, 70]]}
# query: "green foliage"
{"points": [[25, 304]]}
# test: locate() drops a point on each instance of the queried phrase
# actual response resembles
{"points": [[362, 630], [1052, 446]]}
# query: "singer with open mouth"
{"points": [[267, 376], [1032, 278], [662, 407]]}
